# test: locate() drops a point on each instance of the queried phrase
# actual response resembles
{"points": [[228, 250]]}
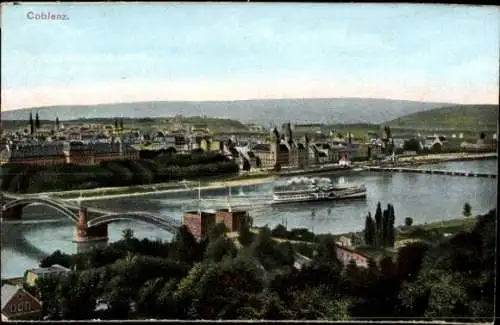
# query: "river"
{"points": [[424, 197]]}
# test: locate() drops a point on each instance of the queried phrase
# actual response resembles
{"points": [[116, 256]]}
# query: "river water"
{"points": [[424, 197]]}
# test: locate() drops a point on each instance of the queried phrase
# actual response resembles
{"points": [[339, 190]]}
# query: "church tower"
{"points": [[274, 145], [293, 158]]}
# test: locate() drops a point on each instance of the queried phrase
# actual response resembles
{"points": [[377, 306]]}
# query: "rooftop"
{"points": [[8, 291], [51, 269]]}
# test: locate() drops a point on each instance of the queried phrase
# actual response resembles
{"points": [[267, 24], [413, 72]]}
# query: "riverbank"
{"points": [[112, 193], [247, 178], [447, 157]]}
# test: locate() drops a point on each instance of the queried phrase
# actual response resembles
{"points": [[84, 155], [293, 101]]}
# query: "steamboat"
{"points": [[305, 189]]}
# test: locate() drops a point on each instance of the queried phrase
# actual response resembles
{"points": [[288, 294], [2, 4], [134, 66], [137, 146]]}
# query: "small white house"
{"points": [[430, 141]]}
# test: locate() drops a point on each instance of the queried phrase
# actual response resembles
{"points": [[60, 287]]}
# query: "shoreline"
{"points": [[206, 186], [438, 158], [256, 178]]}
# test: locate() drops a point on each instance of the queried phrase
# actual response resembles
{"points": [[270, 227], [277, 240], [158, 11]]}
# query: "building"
{"points": [[164, 139], [481, 145], [32, 275], [252, 127], [290, 152], [78, 152], [199, 223], [133, 137], [344, 241], [198, 128], [19, 304], [211, 144], [346, 255], [102, 151], [234, 220], [434, 140], [370, 150], [45, 153], [342, 150], [263, 152], [90, 153]]}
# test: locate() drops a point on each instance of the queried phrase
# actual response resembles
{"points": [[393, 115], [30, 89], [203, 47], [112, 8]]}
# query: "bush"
{"points": [[9, 172], [408, 221], [280, 232], [121, 174]]}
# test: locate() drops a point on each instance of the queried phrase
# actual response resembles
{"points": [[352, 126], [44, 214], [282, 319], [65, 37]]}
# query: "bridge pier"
{"points": [[89, 238], [13, 213]]}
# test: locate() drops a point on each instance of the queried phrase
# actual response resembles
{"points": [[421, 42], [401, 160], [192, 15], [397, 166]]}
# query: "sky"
{"points": [[105, 53]]}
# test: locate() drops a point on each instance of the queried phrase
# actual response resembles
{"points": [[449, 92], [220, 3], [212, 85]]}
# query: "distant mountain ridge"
{"points": [[263, 111]]}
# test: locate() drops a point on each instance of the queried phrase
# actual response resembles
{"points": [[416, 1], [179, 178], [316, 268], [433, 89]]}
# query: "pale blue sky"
{"points": [[128, 52]]}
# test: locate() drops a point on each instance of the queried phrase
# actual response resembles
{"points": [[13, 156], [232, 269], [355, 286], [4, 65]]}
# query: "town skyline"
{"points": [[219, 52]]}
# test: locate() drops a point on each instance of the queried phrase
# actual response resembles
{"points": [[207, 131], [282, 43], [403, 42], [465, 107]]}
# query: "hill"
{"points": [[456, 117], [328, 110]]}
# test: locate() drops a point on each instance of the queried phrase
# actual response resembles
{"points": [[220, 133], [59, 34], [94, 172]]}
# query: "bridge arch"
{"points": [[47, 202], [169, 224]]}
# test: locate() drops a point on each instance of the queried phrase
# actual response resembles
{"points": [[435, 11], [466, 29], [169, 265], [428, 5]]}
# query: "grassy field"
{"points": [[459, 118], [452, 226]]}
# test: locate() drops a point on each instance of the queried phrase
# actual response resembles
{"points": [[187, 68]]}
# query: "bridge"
{"points": [[430, 171], [91, 223]]}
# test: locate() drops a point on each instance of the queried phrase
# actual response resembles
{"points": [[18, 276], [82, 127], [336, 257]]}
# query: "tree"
{"points": [[467, 210], [121, 124], [369, 231], [258, 162], [186, 247], [116, 124], [128, 234], [408, 221], [409, 260], [384, 231], [246, 165], [482, 136], [245, 237], [46, 290], [217, 231], [37, 121], [57, 123], [388, 132], [219, 248], [269, 253], [391, 230], [280, 231], [436, 148], [32, 125], [147, 298], [378, 225], [411, 145]]}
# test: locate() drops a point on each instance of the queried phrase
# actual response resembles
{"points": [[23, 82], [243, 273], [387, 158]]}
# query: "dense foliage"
{"points": [[380, 231], [156, 168], [218, 278]]}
